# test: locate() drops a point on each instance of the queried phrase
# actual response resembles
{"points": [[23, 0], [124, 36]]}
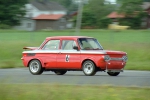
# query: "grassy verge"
{"points": [[135, 42], [66, 92]]}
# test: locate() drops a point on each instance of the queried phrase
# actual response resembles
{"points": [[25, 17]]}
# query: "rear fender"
{"points": [[38, 60]]}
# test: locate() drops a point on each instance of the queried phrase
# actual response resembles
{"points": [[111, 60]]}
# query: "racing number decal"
{"points": [[67, 58]]}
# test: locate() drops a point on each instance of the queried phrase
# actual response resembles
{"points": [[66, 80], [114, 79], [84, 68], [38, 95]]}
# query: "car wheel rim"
{"points": [[34, 67], [88, 68]]}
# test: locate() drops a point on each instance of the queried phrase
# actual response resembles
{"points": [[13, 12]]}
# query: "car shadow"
{"points": [[73, 75]]}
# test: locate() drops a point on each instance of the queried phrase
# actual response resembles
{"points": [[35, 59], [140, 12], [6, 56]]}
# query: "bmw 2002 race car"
{"points": [[73, 53]]}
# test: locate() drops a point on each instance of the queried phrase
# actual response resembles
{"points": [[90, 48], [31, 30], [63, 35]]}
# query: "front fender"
{"points": [[97, 59]]}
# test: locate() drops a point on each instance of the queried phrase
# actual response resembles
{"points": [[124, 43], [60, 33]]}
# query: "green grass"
{"points": [[135, 42], [68, 92]]}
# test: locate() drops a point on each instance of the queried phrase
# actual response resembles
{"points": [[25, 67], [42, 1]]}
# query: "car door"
{"points": [[68, 58], [49, 53]]}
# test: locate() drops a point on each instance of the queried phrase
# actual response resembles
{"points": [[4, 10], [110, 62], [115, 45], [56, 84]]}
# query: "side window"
{"points": [[68, 44], [52, 45]]}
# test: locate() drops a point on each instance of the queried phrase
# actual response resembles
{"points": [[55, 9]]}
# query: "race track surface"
{"points": [[126, 78]]}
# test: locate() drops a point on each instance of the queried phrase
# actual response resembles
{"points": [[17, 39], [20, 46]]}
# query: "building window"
{"points": [[30, 15], [61, 27], [62, 19], [28, 25]]}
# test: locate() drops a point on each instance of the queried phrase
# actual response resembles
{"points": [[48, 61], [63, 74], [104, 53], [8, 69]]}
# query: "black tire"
{"points": [[35, 67], [89, 68], [60, 72], [113, 73]]}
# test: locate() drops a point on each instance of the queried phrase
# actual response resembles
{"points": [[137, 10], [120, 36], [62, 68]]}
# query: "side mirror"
{"points": [[76, 48]]}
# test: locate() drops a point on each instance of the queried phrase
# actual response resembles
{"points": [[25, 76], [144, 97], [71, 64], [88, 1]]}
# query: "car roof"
{"points": [[67, 37]]}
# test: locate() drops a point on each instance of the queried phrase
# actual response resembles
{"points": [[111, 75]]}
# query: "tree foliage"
{"points": [[95, 11], [100, 8], [133, 12], [104, 22], [130, 6], [11, 11], [88, 19]]}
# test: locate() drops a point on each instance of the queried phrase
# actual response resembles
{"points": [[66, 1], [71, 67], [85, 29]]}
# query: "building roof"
{"points": [[46, 5], [49, 17], [73, 13], [115, 15]]}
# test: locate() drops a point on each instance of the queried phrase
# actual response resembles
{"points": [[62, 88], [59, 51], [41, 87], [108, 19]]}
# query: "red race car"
{"points": [[73, 53]]}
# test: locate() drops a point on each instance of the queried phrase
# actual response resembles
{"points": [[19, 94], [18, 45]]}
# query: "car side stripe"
{"points": [[66, 51]]}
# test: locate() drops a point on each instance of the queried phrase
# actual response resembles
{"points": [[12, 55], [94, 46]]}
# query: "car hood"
{"points": [[110, 52]]}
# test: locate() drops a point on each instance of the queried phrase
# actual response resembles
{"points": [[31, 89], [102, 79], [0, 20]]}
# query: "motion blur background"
{"points": [[118, 25]]}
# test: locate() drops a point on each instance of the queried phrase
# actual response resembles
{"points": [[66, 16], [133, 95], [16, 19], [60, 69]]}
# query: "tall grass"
{"points": [[135, 42]]}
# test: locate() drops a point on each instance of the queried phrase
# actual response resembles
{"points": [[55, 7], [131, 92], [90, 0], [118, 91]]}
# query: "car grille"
{"points": [[116, 59]]}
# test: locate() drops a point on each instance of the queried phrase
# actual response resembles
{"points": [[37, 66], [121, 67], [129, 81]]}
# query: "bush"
{"points": [[133, 22], [88, 20], [4, 26], [104, 22]]}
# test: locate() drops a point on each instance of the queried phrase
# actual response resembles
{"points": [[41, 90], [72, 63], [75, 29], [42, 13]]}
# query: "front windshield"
{"points": [[89, 44]]}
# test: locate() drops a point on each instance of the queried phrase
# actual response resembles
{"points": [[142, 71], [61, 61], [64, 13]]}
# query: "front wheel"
{"points": [[59, 72], [113, 73], [35, 67], [88, 68]]}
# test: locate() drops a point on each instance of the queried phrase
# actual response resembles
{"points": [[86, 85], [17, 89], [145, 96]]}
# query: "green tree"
{"points": [[130, 6], [133, 13], [88, 19], [11, 11], [100, 8], [95, 11]]}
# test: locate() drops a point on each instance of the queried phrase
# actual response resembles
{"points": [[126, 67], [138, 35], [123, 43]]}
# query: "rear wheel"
{"points": [[35, 67], [88, 68], [113, 73], [60, 72]]}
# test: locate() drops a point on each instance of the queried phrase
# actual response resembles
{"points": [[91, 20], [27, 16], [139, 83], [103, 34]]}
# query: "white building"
{"points": [[36, 8]]}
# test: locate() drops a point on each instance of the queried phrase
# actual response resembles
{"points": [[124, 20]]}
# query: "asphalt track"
{"points": [[127, 78]]}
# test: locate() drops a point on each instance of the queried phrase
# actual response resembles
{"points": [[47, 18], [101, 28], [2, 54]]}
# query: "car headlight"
{"points": [[124, 58], [106, 58]]}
